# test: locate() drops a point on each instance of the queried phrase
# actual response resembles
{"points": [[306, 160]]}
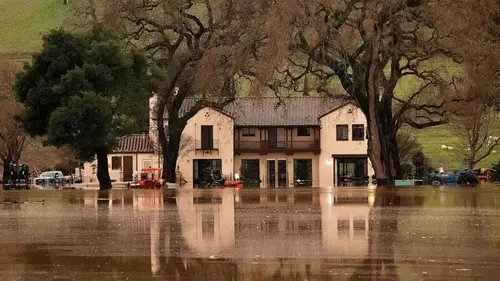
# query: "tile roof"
{"points": [[140, 143], [296, 111], [273, 111]]}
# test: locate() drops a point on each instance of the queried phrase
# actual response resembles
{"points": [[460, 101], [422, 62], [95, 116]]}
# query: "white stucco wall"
{"points": [[223, 127], [346, 115], [139, 160]]}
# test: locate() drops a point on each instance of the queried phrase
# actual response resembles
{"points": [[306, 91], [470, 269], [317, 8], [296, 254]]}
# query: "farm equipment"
{"points": [[18, 177], [150, 178]]}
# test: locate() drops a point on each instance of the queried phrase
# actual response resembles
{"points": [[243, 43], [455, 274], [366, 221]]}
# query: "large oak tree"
{"points": [[83, 91], [198, 48], [394, 58]]}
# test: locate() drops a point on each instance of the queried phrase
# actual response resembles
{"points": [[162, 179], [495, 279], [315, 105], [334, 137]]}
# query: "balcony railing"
{"points": [[266, 145], [205, 145]]}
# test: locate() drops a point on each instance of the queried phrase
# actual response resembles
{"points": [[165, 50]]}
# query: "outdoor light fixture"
{"points": [[330, 199]]}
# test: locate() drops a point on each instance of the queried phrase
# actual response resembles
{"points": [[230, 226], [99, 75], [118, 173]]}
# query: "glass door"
{"points": [[351, 171], [303, 172], [282, 173], [271, 173]]}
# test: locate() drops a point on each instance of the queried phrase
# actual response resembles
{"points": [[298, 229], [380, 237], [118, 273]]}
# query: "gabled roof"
{"points": [[274, 111], [294, 111], [140, 143]]}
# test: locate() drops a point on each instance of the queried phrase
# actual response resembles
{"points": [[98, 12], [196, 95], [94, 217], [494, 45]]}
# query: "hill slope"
{"points": [[22, 23]]}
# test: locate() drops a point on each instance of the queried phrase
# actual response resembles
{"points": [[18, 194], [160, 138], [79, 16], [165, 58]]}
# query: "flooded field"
{"points": [[308, 234]]}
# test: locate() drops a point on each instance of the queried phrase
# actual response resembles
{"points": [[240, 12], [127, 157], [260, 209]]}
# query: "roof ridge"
{"points": [[135, 135], [307, 97]]}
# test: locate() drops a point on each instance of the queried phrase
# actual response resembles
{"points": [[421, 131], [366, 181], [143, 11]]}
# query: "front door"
{"points": [[271, 173], [272, 137], [282, 173], [128, 168]]}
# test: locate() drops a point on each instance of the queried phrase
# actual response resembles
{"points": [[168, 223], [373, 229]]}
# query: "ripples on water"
{"points": [[320, 234]]}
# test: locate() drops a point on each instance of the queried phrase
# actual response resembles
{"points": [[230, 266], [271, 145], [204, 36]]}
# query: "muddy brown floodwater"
{"points": [[423, 233]]}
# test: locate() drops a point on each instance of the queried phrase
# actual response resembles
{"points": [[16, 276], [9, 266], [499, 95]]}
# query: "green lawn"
{"points": [[432, 139], [22, 23]]}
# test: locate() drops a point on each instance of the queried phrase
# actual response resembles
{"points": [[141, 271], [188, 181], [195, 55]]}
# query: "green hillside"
{"points": [[23, 22]]}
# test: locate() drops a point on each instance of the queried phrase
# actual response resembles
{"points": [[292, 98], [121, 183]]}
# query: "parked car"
{"points": [[52, 178], [460, 178], [467, 178]]}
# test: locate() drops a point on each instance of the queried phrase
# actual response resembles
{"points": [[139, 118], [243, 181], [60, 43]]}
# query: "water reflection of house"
{"points": [[207, 221], [140, 200], [274, 225]]}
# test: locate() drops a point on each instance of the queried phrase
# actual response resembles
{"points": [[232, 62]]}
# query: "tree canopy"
{"points": [[83, 91], [370, 49]]}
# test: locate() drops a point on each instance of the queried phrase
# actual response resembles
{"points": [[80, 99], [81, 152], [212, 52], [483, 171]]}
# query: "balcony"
{"points": [[207, 145], [265, 146]]}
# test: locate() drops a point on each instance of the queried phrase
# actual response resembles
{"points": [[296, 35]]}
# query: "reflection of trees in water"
{"points": [[380, 262], [385, 220]]}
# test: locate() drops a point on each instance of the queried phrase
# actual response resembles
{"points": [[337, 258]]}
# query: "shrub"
{"points": [[495, 173]]}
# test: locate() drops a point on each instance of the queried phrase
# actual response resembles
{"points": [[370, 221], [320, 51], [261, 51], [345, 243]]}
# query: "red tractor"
{"points": [[150, 178]]}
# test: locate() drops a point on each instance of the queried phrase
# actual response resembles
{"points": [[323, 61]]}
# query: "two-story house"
{"points": [[303, 141], [272, 142]]}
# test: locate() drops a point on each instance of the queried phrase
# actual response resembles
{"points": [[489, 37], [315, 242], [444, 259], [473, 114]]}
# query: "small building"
{"points": [[133, 153]]}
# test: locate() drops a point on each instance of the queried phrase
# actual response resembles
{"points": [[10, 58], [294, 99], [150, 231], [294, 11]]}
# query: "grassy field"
{"points": [[432, 139], [22, 23]]}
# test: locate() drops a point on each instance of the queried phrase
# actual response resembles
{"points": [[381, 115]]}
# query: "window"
{"points": [[303, 132], [248, 132], [358, 132], [116, 163], [302, 172], [342, 132], [207, 137]]}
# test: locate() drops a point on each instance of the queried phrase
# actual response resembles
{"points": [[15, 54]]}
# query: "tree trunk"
{"points": [[102, 168], [170, 156], [377, 144], [6, 170], [470, 164], [394, 157]]}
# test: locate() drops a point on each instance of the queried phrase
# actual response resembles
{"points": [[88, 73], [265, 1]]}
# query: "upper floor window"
{"points": [[303, 131], [248, 132], [342, 132], [358, 132], [207, 137]]}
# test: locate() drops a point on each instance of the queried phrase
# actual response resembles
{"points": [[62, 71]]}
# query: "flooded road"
{"points": [[320, 234]]}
